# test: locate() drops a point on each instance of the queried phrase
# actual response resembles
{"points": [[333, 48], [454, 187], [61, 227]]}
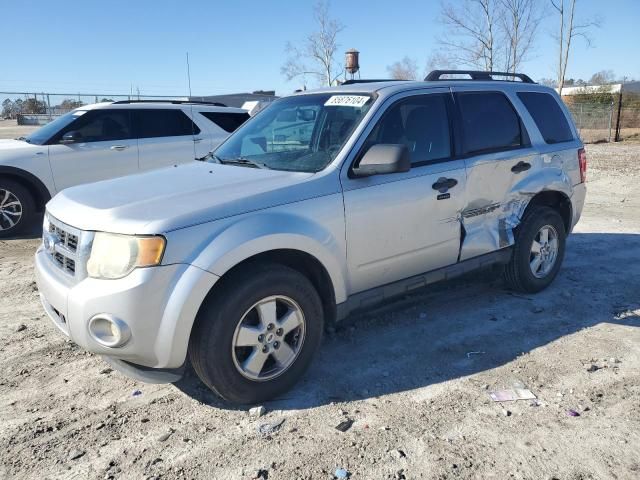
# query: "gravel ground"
{"points": [[414, 377]]}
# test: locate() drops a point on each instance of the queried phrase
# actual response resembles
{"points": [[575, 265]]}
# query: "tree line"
{"points": [[12, 108]]}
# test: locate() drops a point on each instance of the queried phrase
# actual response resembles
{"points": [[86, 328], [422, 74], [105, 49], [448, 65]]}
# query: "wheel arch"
{"points": [[301, 261], [41, 194], [555, 199]]}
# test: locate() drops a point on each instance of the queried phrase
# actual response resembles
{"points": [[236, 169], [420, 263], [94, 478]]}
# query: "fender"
{"points": [[255, 234], [41, 191]]}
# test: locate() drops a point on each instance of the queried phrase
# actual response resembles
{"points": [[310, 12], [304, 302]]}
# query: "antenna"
{"points": [[193, 133]]}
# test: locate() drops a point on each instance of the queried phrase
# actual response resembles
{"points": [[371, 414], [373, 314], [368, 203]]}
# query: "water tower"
{"points": [[352, 63]]}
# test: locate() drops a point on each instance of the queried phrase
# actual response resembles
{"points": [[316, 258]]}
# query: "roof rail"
{"points": [[476, 75], [372, 80], [175, 102]]}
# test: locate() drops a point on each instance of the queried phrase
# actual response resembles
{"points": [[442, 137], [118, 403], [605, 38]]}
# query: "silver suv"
{"points": [[325, 203]]}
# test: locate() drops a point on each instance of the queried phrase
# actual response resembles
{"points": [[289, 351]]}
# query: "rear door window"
{"points": [[548, 116], [228, 121], [153, 123], [490, 123], [419, 122]]}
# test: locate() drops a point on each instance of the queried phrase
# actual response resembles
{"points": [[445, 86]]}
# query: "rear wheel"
{"points": [[17, 208], [538, 251], [256, 334]]}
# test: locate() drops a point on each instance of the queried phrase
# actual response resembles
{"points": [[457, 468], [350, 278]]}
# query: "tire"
{"points": [[15, 218], [230, 311], [519, 272]]}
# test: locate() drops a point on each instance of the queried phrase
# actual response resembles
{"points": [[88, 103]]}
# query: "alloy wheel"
{"points": [[268, 338], [10, 210], [544, 251]]}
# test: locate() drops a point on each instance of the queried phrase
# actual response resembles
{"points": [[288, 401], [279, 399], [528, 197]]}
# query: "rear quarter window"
{"points": [[548, 116], [228, 121]]}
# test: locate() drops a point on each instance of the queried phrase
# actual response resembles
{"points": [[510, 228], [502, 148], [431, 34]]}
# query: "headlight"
{"points": [[115, 256]]}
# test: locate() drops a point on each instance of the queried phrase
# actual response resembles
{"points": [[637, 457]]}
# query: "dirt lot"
{"points": [[10, 129], [414, 377]]}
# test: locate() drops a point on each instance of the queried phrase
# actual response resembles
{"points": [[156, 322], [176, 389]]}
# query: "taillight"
{"points": [[582, 160]]}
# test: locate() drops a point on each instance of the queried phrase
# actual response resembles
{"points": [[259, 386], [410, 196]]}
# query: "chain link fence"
{"points": [[595, 122]]}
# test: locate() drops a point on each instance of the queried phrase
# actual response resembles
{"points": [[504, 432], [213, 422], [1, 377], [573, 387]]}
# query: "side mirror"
{"points": [[382, 159], [306, 114], [71, 137]]}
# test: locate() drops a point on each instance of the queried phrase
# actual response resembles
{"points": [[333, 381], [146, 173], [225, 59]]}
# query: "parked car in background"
{"points": [[102, 141], [327, 202]]}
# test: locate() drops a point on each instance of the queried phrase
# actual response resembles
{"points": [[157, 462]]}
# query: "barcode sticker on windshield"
{"points": [[356, 101]]}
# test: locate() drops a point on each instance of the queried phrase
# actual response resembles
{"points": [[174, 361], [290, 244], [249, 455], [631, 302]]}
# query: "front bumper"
{"points": [[159, 304]]}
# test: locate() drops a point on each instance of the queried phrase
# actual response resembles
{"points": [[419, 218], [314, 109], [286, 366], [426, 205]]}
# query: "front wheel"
{"points": [[538, 251], [17, 208], [257, 333]]}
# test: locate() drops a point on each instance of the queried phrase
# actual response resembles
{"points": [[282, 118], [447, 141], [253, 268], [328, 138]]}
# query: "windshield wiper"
{"points": [[23, 139], [242, 161]]}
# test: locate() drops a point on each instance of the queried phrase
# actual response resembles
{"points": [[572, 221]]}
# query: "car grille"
{"points": [[67, 247]]}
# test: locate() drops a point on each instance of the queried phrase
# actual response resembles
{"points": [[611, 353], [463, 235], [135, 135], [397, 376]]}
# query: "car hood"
{"points": [[14, 146], [176, 197]]}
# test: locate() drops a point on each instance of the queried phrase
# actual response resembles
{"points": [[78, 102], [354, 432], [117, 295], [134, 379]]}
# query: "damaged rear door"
{"points": [[498, 155]]}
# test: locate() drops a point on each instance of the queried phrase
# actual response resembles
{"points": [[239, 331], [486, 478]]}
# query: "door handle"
{"points": [[520, 167], [197, 140], [443, 184], [118, 147]]}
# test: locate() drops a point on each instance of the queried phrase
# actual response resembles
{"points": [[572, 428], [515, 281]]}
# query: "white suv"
{"points": [[103, 141]]}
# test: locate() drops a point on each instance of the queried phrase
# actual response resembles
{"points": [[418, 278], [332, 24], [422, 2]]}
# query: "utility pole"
{"points": [[617, 138]]}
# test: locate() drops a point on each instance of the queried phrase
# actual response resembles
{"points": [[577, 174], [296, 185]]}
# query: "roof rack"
{"points": [[175, 102], [372, 80], [476, 75]]}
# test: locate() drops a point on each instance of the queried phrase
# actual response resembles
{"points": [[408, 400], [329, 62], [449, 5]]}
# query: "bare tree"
{"points": [[520, 20], [316, 56], [405, 69], [603, 77], [568, 31], [471, 36]]}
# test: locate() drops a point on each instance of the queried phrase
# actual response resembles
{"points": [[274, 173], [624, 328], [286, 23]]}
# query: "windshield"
{"points": [[42, 135], [301, 133]]}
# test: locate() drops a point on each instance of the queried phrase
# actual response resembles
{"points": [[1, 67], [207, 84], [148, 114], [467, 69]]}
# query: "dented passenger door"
{"points": [[498, 155]]}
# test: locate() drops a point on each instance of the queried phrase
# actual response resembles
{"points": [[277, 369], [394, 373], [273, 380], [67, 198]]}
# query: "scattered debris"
{"points": [[398, 454], [470, 354], [512, 395], [341, 473], [485, 386], [262, 474], [614, 360], [270, 428], [136, 393], [100, 426], [256, 412], [21, 327], [165, 436], [345, 425], [506, 413], [76, 454], [593, 368], [572, 413], [106, 371]]}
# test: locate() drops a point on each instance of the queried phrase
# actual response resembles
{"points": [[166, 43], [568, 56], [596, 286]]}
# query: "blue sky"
{"points": [[87, 46]]}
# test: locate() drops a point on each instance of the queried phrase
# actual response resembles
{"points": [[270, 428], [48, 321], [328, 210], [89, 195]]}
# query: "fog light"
{"points": [[109, 331]]}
